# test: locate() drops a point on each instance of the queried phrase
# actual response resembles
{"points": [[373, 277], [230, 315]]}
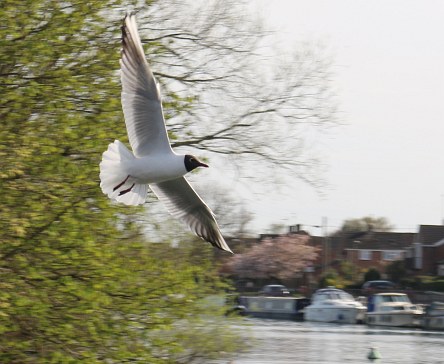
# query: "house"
{"points": [[364, 250], [374, 249], [423, 251], [426, 256]]}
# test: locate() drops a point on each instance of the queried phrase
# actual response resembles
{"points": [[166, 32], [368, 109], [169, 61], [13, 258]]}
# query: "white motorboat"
{"points": [[334, 305], [434, 317], [393, 309]]}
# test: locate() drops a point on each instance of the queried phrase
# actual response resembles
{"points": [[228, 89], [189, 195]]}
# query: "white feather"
{"points": [[113, 170]]}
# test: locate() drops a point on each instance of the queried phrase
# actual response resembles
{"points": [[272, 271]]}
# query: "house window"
{"points": [[365, 255], [391, 255]]}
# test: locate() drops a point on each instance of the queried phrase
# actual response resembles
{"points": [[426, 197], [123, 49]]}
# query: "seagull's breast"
{"points": [[157, 168]]}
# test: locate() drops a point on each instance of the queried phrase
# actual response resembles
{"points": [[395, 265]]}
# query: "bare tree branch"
{"points": [[244, 99]]}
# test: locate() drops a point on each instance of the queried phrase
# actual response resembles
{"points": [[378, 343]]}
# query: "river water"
{"points": [[285, 342]]}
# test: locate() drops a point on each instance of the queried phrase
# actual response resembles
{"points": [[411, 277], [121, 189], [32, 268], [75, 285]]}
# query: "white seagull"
{"points": [[126, 176]]}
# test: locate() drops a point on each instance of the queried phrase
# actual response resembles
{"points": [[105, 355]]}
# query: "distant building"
{"points": [[426, 256], [373, 249], [423, 251]]}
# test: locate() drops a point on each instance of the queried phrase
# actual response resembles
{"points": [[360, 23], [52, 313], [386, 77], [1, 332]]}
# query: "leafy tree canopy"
{"points": [[372, 275], [396, 270], [367, 223], [78, 282]]}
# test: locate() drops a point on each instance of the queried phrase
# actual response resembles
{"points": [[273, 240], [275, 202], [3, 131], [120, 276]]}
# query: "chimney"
{"points": [[294, 228]]}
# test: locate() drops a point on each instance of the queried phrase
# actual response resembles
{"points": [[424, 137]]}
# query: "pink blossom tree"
{"points": [[282, 258]]}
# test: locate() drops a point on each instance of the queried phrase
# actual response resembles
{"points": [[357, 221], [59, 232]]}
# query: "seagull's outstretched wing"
{"points": [[141, 100], [184, 203]]}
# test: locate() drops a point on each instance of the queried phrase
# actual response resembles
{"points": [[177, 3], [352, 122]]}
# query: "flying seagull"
{"points": [[126, 176]]}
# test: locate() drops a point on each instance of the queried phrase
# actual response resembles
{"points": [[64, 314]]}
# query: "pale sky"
{"points": [[388, 158]]}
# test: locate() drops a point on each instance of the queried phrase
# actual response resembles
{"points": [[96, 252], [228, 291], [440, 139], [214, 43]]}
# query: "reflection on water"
{"points": [[309, 342]]}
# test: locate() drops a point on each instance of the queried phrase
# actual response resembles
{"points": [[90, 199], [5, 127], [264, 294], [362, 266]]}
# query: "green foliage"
{"points": [[348, 271], [396, 271], [366, 223], [330, 279], [345, 275], [78, 283], [424, 283], [372, 274]]}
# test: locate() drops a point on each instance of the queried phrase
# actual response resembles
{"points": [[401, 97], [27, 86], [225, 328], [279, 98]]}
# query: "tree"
{"points": [[396, 271], [233, 217], [345, 276], [372, 275], [367, 223], [348, 271], [237, 99], [331, 278], [279, 258], [78, 281]]}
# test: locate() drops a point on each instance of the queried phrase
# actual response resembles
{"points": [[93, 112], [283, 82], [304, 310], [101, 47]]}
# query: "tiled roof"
{"points": [[334, 242], [430, 234], [381, 241]]}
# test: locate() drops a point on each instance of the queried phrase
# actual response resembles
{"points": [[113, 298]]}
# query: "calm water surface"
{"points": [[308, 342]]}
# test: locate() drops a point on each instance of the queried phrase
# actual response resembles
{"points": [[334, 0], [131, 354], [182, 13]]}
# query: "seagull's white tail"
{"points": [[114, 179]]}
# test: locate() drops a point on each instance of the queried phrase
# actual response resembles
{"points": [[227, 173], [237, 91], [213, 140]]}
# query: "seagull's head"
{"points": [[191, 162]]}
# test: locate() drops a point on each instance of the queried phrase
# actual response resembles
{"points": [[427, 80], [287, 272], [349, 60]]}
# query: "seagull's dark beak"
{"points": [[201, 164]]}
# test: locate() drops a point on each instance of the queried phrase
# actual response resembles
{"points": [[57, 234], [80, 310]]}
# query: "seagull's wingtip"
{"points": [[127, 15], [224, 246], [130, 16]]}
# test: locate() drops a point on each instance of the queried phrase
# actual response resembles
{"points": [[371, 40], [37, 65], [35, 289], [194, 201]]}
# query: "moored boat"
{"points": [[393, 309], [287, 308], [434, 317], [334, 305]]}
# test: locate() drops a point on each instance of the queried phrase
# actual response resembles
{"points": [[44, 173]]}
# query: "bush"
{"points": [[396, 271], [331, 278], [424, 283], [372, 275]]}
